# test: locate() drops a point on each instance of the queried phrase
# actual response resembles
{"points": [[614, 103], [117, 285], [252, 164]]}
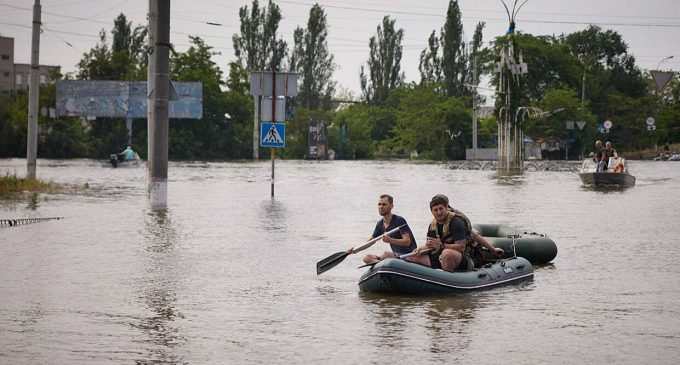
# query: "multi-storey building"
{"points": [[16, 76]]}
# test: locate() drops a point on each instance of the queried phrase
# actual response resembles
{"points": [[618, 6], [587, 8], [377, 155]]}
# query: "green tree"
{"points": [[434, 125], [475, 54], [606, 64], [124, 60], [384, 63], [256, 47], [13, 116], [430, 62], [96, 63], [454, 59], [206, 138], [298, 129], [550, 63], [563, 105], [313, 61], [239, 107], [351, 136], [128, 50]]}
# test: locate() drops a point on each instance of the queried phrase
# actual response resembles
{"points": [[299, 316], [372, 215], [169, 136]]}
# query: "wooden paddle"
{"points": [[401, 257], [336, 258]]}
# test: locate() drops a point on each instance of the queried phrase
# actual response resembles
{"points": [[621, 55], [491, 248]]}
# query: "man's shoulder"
{"points": [[457, 222], [398, 219]]}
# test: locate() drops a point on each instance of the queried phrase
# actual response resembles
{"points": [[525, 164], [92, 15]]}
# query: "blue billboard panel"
{"points": [[92, 98], [124, 99]]}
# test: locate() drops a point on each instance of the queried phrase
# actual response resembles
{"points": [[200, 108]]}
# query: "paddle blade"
{"points": [[330, 262]]}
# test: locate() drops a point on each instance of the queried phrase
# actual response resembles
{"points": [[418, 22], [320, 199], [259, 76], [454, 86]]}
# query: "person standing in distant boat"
{"points": [[607, 153], [598, 157], [401, 242], [128, 154]]}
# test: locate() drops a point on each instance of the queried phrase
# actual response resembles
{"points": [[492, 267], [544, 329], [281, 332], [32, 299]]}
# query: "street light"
{"points": [[662, 60]]}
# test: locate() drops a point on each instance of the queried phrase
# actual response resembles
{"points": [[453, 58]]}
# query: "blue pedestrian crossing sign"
{"points": [[272, 135]]}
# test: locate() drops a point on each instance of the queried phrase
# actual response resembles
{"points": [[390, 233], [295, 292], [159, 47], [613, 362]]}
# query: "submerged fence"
{"points": [[22, 221]]}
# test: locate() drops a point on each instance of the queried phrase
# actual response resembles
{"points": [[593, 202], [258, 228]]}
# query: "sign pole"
{"points": [[273, 152], [256, 126]]}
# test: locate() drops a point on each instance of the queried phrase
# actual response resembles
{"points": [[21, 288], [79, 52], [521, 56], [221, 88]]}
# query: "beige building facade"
{"points": [[15, 76]]}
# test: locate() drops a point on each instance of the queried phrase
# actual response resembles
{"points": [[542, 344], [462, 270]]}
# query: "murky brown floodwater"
{"points": [[228, 276]]}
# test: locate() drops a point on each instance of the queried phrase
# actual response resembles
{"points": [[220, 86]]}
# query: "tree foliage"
{"points": [[454, 61], [257, 47], [312, 60], [125, 59], [384, 63], [430, 65]]}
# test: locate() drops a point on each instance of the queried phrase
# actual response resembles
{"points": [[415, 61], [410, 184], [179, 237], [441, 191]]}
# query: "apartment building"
{"points": [[16, 76]]}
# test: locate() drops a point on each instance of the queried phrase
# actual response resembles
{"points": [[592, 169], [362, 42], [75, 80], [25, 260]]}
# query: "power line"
{"points": [[96, 15], [382, 11]]}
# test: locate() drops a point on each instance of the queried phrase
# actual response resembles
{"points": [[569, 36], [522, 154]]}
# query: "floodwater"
{"points": [[226, 275]]}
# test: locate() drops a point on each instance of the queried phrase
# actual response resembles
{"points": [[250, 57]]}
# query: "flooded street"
{"points": [[226, 275]]}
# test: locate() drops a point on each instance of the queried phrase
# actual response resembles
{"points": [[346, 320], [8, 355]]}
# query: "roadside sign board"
{"points": [[662, 78], [608, 124], [580, 124], [650, 121], [272, 135], [124, 99], [266, 109], [261, 83]]}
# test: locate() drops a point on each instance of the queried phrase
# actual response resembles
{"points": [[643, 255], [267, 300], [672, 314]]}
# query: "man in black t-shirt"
{"points": [[447, 237], [402, 241]]}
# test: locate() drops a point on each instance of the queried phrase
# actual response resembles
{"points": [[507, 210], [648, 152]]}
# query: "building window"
{"points": [[43, 79], [6, 74], [20, 79], [5, 57]]}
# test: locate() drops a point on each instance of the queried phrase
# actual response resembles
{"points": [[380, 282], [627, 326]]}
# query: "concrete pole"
{"points": [[474, 109], [158, 104], [33, 96], [153, 17], [583, 88], [128, 125]]}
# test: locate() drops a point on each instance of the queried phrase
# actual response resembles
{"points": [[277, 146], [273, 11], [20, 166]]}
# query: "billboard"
{"points": [[317, 146], [124, 99]]}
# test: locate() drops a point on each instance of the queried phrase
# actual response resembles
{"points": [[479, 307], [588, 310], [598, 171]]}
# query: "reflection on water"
{"points": [[158, 289], [33, 201], [273, 216], [508, 179], [444, 321]]}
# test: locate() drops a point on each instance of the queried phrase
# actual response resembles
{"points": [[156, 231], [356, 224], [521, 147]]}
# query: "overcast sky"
{"points": [[650, 27]]}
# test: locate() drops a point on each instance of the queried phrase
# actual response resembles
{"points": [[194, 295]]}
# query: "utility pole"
{"points": [[474, 108], [583, 87], [33, 96], [256, 127], [158, 100]]}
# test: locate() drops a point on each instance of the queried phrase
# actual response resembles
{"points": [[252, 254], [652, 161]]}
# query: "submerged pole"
{"points": [[33, 96], [159, 89], [273, 151]]}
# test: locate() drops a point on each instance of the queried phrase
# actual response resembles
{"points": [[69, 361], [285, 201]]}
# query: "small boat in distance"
{"points": [[116, 160], [616, 175]]}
